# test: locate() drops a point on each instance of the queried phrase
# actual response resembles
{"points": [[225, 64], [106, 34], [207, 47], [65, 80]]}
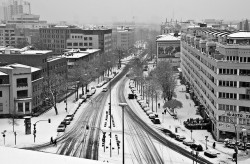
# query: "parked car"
{"points": [[188, 142], [180, 138], [131, 96], [152, 116], [146, 109], [89, 94], [99, 85], [67, 120], [194, 146], [156, 121], [64, 123], [70, 116], [149, 112], [104, 89], [92, 90], [210, 153], [61, 128]]}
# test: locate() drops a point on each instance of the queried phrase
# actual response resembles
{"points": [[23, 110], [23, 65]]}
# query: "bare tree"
{"points": [[165, 76], [54, 84]]}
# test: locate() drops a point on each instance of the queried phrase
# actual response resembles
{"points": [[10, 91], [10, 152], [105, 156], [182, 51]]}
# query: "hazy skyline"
{"points": [[156, 11]]}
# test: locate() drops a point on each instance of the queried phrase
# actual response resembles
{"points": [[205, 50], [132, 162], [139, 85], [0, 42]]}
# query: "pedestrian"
{"points": [[55, 143], [51, 140], [214, 145], [159, 105], [165, 111]]}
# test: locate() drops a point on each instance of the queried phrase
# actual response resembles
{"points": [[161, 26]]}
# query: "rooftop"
{"points": [[17, 65], [2, 73], [32, 52], [240, 35], [167, 38]]}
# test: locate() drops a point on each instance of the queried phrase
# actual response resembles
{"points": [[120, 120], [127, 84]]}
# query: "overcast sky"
{"points": [[142, 10]]}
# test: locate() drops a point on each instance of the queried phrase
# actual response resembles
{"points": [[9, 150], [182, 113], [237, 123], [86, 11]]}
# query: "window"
{"points": [[90, 38], [90, 44], [22, 82], [75, 44], [85, 44], [1, 107], [22, 94], [20, 107], [80, 44], [1, 94], [85, 38], [69, 44], [27, 106]]}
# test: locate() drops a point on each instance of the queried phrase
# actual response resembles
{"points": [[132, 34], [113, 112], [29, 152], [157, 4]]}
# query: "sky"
{"points": [[141, 10]]}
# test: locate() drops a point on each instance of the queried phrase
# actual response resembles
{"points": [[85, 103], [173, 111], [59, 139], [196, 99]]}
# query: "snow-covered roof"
{"points": [[240, 35], [32, 52], [167, 38], [31, 157], [2, 73], [17, 65]]}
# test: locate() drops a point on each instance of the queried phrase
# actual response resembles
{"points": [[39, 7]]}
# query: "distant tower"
{"points": [[246, 26], [241, 26]]}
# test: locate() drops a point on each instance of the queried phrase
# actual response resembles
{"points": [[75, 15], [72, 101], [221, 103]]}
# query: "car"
{"points": [[194, 146], [146, 109], [152, 116], [99, 85], [89, 94], [210, 153], [131, 96], [180, 138], [104, 89], [149, 112], [188, 142], [61, 128], [156, 121], [144, 105], [67, 120], [70, 116], [93, 90]]}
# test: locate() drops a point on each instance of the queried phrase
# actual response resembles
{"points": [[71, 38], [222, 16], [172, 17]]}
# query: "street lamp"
{"points": [[206, 141], [191, 130], [108, 66], [123, 105]]}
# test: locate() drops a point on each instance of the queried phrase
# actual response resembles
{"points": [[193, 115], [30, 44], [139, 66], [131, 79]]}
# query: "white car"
{"points": [[93, 90]]}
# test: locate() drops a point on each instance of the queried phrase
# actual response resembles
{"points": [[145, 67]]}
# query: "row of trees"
{"points": [[160, 82], [80, 75]]}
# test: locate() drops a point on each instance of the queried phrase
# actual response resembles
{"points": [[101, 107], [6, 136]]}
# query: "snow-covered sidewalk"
{"points": [[44, 130]]}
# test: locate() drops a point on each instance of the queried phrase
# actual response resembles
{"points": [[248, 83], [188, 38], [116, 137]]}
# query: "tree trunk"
{"points": [[55, 107], [156, 102], [152, 100]]}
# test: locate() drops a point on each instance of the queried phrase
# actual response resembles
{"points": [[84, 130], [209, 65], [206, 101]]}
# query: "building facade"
{"points": [[57, 38], [124, 38], [168, 49], [82, 42], [215, 65], [7, 35], [20, 85]]}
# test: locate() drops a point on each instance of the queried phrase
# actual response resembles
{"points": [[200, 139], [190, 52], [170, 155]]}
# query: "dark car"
{"points": [[156, 121], [210, 154], [131, 96], [70, 116], [61, 128]]}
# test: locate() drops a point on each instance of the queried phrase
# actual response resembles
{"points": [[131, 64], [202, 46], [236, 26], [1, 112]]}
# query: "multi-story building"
{"points": [[57, 38], [29, 21], [168, 49], [123, 38], [14, 7], [215, 65], [82, 42], [7, 35], [42, 59], [74, 56], [21, 87]]}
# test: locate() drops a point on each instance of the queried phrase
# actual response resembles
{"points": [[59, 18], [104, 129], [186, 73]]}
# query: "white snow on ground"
{"points": [[46, 130], [14, 156]]}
